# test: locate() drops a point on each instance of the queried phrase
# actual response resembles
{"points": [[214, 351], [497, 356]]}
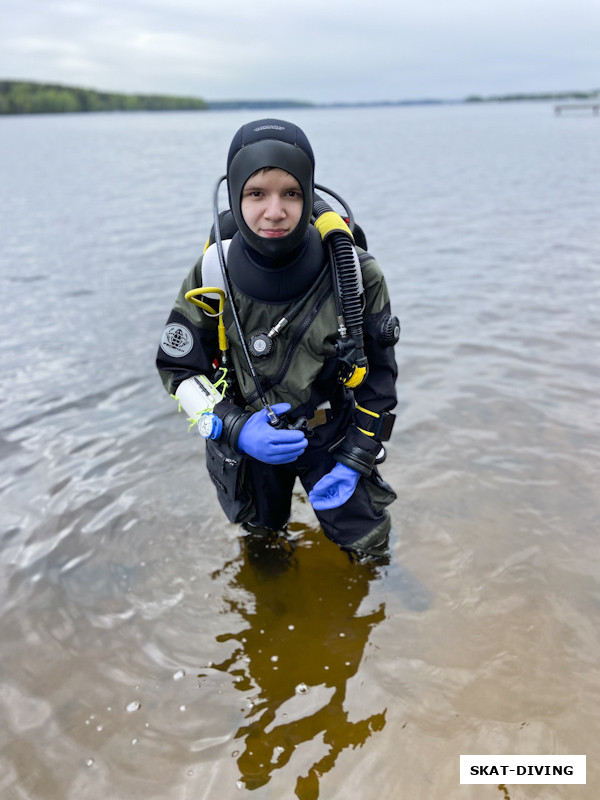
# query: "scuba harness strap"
{"points": [[378, 426]]}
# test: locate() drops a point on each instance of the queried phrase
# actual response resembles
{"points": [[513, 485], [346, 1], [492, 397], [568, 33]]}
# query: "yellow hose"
{"points": [[191, 297]]}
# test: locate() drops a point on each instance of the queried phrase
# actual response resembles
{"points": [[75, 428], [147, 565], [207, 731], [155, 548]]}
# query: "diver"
{"points": [[280, 347]]}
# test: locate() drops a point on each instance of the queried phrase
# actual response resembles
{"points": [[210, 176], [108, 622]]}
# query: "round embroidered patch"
{"points": [[176, 341]]}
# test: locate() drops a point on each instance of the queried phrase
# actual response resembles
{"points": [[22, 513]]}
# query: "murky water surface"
{"points": [[147, 650]]}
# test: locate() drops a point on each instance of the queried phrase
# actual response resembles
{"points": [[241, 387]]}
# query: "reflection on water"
{"points": [[303, 640]]}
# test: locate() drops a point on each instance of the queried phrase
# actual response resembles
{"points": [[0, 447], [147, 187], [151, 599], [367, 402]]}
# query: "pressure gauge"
{"points": [[210, 426]]}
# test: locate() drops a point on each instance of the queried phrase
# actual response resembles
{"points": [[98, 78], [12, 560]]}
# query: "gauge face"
{"points": [[205, 425], [210, 426], [261, 344]]}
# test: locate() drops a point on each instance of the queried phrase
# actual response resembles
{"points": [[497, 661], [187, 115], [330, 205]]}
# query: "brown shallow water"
{"points": [[148, 651]]}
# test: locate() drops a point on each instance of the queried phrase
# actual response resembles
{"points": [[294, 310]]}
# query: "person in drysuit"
{"points": [[294, 364]]}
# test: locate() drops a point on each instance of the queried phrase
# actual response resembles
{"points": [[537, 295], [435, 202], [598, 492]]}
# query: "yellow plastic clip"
{"points": [[356, 377], [209, 311]]}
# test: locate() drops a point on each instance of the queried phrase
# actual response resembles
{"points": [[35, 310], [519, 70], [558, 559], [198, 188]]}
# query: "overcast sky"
{"points": [[316, 50]]}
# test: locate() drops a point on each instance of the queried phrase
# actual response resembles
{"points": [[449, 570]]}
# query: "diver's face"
{"points": [[272, 203]]}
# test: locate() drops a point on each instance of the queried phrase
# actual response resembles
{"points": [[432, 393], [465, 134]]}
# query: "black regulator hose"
{"points": [[272, 416], [341, 201], [277, 421], [345, 264]]}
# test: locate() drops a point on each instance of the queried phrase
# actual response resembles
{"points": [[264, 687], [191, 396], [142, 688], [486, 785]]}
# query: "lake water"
{"points": [[146, 651]]}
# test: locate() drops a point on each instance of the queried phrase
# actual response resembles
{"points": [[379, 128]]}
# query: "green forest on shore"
{"points": [[30, 97], [25, 97]]}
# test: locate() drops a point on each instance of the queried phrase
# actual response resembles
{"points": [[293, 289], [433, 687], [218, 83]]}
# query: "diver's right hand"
{"points": [[271, 445]]}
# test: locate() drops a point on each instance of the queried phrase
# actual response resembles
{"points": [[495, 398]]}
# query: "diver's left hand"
{"points": [[334, 489]]}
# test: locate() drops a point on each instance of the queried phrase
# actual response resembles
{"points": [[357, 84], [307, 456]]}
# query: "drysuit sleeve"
{"points": [[378, 391], [376, 396], [189, 342]]}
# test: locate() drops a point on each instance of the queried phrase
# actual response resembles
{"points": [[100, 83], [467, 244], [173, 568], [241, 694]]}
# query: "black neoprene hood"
{"points": [[271, 143]]}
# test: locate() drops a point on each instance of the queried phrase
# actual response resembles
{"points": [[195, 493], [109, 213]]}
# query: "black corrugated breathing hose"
{"points": [[345, 266]]}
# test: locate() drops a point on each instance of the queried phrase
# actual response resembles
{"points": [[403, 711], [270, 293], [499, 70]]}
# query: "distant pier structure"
{"points": [[594, 107]]}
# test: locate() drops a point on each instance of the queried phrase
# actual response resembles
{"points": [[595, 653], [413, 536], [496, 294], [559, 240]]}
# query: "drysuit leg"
{"points": [[362, 523], [271, 488]]}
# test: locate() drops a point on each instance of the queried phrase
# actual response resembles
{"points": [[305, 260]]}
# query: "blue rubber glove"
{"points": [[266, 443], [334, 489]]}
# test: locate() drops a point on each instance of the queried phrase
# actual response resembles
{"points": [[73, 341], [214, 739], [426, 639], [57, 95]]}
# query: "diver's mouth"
{"points": [[273, 233]]}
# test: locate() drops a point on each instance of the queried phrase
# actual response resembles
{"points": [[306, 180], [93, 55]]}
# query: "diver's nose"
{"points": [[274, 209]]}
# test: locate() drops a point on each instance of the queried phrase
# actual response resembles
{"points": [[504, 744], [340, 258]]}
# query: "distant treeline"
{"points": [[255, 105], [21, 97], [29, 97], [552, 96]]}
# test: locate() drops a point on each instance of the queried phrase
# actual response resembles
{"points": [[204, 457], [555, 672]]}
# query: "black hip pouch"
{"points": [[227, 470]]}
